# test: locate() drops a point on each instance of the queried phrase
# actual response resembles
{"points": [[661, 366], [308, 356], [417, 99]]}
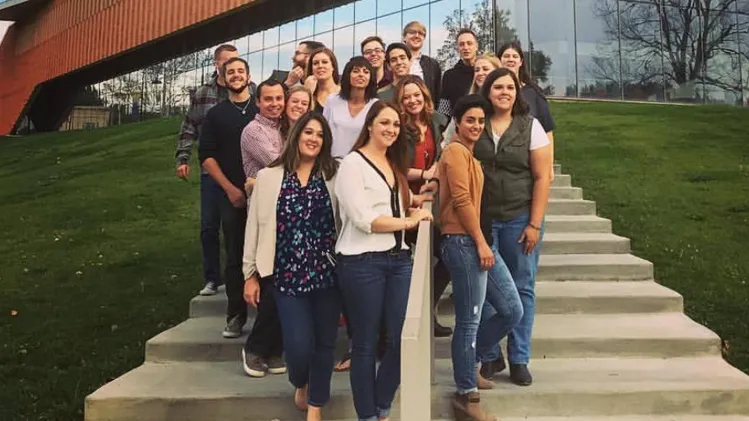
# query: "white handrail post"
{"points": [[417, 345]]}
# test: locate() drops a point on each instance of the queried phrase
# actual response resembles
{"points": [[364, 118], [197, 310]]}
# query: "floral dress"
{"points": [[306, 236]]}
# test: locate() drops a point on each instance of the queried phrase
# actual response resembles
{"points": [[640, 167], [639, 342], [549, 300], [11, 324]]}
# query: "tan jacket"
{"points": [[461, 185], [260, 232]]}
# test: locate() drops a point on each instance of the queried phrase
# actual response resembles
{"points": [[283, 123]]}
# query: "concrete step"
{"points": [[562, 387], [554, 336], [582, 243], [214, 305], [571, 207], [566, 193], [612, 387], [680, 417], [593, 267], [551, 298], [592, 297], [611, 335], [577, 224], [562, 180], [561, 267], [199, 339]]}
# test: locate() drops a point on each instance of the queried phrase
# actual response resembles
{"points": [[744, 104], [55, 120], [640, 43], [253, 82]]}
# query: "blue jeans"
{"points": [[460, 254], [502, 310], [375, 290], [211, 195], [310, 326], [523, 269]]}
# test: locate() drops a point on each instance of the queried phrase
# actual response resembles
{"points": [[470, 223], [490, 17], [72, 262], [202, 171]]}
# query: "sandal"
{"points": [[344, 364]]}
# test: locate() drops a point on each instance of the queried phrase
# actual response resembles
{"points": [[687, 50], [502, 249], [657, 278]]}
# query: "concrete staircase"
{"points": [[609, 344]]}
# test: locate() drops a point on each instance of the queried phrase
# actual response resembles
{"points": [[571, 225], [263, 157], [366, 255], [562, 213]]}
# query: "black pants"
{"points": [[266, 338], [234, 221]]}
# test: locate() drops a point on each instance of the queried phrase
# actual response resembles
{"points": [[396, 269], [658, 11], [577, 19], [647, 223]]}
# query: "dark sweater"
{"points": [[539, 107], [432, 76], [220, 138], [456, 82]]}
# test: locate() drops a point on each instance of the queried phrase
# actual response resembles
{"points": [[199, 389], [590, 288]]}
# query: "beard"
{"points": [[238, 89]]}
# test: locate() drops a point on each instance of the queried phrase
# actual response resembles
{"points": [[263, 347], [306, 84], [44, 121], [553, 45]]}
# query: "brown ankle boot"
{"points": [[482, 383], [468, 408]]}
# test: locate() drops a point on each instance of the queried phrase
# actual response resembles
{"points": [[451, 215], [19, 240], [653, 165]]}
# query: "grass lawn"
{"points": [[676, 181], [98, 240], [100, 246]]}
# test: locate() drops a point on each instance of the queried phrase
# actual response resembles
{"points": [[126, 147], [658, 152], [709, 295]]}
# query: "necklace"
{"points": [[243, 110]]}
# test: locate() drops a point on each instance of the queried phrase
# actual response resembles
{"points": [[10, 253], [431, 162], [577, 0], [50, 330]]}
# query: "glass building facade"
{"points": [[640, 50]]}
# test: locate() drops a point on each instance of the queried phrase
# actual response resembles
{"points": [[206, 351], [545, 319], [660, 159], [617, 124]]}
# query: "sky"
{"points": [[3, 27]]}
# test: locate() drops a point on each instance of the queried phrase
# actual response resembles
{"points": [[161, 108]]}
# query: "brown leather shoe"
{"points": [[468, 408], [489, 369], [482, 383]]}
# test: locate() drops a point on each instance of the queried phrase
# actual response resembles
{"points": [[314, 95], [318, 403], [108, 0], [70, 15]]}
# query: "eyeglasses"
{"points": [[373, 51], [416, 32]]}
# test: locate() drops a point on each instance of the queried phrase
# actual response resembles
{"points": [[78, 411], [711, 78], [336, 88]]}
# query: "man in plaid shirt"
{"points": [[204, 99]]}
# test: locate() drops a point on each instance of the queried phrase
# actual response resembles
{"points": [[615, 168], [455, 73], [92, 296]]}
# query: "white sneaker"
{"points": [[253, 365], [210, 288], [233, 328]]}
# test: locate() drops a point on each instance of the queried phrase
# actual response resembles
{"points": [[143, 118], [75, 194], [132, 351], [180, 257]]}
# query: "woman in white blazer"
{"points": [[289, 248]]}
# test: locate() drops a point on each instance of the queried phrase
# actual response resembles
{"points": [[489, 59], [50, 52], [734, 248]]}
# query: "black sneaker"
{"points": [[520, 375], [233, 328], [441, 331], [489, 369], [253, 365], [276, 365]]}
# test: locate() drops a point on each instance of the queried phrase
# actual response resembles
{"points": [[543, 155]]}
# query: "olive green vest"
{"points": [[508, 181]]}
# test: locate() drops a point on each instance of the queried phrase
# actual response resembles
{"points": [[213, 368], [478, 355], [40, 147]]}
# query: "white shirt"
{"points": [[416, 69], [344, 127], [539, 139], [363, 196]]}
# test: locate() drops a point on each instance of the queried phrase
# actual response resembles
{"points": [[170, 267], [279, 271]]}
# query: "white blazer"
{"points": [[260, 232]]}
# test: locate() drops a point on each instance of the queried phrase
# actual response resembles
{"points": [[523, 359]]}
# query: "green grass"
{"points": [[100, 248], [676, 181]]}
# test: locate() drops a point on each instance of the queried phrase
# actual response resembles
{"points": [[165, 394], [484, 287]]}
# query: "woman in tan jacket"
{"points": [[465, 250]]}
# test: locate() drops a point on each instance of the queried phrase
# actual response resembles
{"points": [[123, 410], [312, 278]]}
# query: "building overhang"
{"points": [[18, 10]]}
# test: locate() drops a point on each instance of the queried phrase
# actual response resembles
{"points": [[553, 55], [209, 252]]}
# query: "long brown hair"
{"points": [[333, 60], [397, 153], [290, 159], [426, 114]]}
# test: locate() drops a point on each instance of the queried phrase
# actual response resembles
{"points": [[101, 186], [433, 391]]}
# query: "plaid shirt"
{"points": [[205, 98]]}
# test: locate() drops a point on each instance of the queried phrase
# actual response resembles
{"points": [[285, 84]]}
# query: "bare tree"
{"points": [[163, 78], [683, 40]]}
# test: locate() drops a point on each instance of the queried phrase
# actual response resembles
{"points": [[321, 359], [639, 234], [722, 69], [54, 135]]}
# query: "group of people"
{"points": [[317, 178]]}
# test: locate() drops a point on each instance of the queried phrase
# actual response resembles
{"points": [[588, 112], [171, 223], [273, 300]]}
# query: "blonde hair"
{"points": [[414, 24], [285, 123], [493, 60]]}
